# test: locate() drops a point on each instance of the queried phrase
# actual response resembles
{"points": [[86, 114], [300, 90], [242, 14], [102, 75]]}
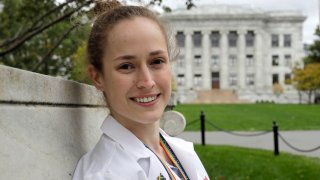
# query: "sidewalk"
{"points": [[299, 139]]}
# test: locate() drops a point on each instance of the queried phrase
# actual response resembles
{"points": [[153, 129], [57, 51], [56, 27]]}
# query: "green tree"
{"points": [[80, 64], [307, 79], [38, 36], [314, 49]]}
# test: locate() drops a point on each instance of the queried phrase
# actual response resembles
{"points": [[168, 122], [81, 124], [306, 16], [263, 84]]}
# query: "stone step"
{"points": [[217, 96]]}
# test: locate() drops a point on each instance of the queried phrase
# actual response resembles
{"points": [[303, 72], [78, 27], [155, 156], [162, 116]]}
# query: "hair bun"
{"points": [[103, 6]]}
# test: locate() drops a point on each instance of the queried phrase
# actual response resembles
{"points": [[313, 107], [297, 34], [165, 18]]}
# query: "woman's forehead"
{"points": [[136, 26], [136, 32]]}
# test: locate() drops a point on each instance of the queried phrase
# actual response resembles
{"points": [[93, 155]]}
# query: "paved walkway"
{"points": [[299, 139]]}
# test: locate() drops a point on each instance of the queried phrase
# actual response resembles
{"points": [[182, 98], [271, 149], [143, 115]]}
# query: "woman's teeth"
{"points": [[145, 99]]}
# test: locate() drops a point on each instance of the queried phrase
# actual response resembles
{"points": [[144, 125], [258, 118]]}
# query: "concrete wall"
{"points": [[46, 124]]}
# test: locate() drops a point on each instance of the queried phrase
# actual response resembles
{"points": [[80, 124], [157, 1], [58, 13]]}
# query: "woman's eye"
{"points": [[126, 66], [158, 61]]}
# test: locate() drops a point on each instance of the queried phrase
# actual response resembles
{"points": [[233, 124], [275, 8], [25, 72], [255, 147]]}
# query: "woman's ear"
{"points": [[96, 77]]}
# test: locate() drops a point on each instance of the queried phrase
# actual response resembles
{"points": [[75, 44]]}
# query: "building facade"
{"points": [[235, 48]]}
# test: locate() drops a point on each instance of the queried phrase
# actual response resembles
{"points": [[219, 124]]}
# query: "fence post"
{"points": [[202, 119], [275, 138]]}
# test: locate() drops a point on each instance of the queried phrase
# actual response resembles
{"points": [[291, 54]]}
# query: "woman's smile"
{"points": [[146, 100]]}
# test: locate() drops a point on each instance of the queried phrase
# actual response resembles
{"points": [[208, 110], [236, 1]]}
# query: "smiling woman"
{"points": [[130, 63]]}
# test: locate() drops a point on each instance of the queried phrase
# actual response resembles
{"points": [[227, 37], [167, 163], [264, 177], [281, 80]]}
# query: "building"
{"points": [[236, 48]]}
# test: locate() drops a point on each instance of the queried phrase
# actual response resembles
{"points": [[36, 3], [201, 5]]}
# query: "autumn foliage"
{"points": [[307, 79]]}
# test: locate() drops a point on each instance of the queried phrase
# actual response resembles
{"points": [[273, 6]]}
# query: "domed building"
{"points": [[238, 49]]}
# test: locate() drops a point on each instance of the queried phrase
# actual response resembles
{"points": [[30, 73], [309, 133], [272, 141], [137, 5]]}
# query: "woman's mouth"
{"points": [[145, 99]]}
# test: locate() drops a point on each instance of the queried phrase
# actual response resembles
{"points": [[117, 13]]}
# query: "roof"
{"points": [[217, 11]]}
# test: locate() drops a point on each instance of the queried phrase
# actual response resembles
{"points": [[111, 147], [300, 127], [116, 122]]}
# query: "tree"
{"points": [[38, 36], [314, 49], [80, 63], [307, 79]]}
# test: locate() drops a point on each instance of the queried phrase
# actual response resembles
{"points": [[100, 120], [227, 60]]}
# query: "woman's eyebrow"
{"points": [[125, 57], [157, 52], [132, 57]]}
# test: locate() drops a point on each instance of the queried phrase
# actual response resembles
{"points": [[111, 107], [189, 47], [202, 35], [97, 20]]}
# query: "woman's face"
{"points": [[136, 72]]}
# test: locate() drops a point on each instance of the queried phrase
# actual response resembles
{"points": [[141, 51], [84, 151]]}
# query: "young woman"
{"points": [[129, 55]]}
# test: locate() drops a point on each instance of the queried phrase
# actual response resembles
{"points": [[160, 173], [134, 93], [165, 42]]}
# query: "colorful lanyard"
{"points": [[173, 157]]}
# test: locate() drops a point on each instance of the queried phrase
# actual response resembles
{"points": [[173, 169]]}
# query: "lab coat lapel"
{"points": [[156, 168]]}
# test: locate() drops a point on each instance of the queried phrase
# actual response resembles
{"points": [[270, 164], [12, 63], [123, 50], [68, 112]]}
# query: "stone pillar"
{"points": [[224, 72], [281, 78], [189, 60], [241, 60], [206, 75], [266, 61], [259, 67]]}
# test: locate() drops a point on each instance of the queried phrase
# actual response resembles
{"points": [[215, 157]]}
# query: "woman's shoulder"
{"points": [[107, 160], [98, 159]]}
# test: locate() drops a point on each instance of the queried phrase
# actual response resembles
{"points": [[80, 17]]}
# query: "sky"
{"points": [[309, 8]]}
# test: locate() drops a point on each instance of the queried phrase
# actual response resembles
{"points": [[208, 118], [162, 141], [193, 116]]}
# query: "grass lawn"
{"points": [[253, 117], [226, 162]]}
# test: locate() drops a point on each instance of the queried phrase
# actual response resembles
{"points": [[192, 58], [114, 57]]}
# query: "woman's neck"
{"points": [[148, 134]]}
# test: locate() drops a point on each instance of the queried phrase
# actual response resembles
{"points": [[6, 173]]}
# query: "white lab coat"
{"points": [[120, 155]]}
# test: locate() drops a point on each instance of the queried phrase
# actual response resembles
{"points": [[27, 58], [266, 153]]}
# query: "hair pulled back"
{"points": [[108, 13]]}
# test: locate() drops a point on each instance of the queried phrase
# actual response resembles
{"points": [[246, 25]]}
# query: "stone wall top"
{"points": [[18, 85]]}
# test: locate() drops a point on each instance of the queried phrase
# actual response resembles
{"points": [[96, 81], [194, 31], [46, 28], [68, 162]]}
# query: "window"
{"points": [[275, 78], [180, 61], [287, 60], [275, 60], [287, 40], [287, 78], [232, 38], [197, 79], [233, 79], [250, 39], [215, 60], [275, 40], [215, 39], [249, 60], [180, 37], [181, 80], [232, 60], [197, 36], [250, 79], [197, 60]]}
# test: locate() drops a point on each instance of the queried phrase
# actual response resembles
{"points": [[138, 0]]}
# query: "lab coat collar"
{"points": [[127, 140]]}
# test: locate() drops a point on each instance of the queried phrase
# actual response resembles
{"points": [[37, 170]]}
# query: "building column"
{"points": [[241, 60], [224, 72], [206, 75], [259, 80], [189, 60]]}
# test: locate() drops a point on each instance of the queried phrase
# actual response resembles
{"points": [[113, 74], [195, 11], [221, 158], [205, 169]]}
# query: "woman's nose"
{"points": [[145, 79]]}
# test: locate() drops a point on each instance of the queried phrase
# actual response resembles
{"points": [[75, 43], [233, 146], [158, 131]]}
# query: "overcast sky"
{"points": [[309, 8]]}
